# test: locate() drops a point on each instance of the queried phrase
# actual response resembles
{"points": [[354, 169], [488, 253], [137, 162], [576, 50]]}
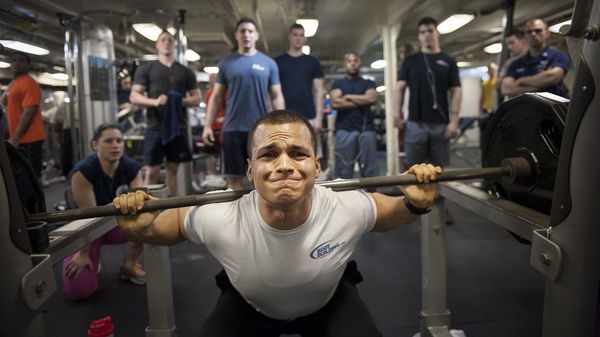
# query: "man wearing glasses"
{"points": [[540, 69]]}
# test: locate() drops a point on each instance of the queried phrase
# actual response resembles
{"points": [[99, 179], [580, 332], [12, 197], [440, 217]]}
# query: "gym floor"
{"points": [[492, 289]]}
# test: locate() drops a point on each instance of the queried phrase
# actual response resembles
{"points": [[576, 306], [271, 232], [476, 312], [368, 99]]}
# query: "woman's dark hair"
{"points": [[101, 128]]}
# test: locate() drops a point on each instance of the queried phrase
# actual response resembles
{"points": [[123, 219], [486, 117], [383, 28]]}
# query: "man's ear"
{"points": [[249, 171], [318, 165], [94, 145]]}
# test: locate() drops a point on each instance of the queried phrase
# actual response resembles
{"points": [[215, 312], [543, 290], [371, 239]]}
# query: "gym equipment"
{"points": [[529, 126], [512, 170]]}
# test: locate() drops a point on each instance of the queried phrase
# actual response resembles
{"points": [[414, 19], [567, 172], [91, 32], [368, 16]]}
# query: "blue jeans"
{"points": [[351, 146]]}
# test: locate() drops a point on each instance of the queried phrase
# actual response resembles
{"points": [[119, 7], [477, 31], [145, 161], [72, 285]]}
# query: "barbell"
{"points": [[511, 171]]}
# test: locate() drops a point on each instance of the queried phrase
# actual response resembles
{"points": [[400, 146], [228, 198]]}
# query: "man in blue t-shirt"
{"points": [[355, 137], [301, 79], [540, 69], [249, 77]]}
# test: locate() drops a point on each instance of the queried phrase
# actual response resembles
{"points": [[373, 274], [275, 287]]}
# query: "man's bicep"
{"points": [[138, 88], [335, 93]]}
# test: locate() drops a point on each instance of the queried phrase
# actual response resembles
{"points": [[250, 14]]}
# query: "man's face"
{"points": [[352, 64], [246, 35], [283, 166], [110, 145], [126, 83], [296, 38], [428, 35], [515, 45], [19, 64], [164, 44], [536, 34]]}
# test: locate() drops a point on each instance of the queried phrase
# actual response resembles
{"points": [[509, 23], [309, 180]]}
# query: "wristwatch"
{"points": [[415, 210]]}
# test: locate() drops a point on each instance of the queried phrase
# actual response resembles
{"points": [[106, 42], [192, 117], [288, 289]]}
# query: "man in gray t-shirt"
{"points": [[249, 77]]}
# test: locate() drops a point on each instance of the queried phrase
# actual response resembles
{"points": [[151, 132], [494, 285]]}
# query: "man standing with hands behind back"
{"points": [[22, 101], [167, 83], [429, 74]]}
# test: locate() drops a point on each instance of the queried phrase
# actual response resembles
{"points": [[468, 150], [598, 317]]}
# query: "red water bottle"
{"points": [[101, 328]]}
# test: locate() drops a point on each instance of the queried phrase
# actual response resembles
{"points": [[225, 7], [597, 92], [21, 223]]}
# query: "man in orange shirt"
{"points": [[22, 101]]}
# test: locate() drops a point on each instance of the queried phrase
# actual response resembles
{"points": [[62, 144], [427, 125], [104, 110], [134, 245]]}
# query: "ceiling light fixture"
{"points": [[310, 26], [379, 64], [211, 70], [24, 47], [494, 48], [454, 22], [306, 50], [464, 64], [380, 88], [556, 28], [4, 64], [191, 56], [59, 76], [148, 30]]}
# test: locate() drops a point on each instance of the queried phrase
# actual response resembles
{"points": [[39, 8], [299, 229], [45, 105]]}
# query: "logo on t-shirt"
{"points": [[256, 66], [325, 249], [442, 63]]}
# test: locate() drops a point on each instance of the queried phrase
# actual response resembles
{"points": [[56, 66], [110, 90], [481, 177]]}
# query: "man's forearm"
{"points": [[318, 101], [362, 100], [139, 99], [211, 109], [24, 123], [540, 81], [342, 103]]}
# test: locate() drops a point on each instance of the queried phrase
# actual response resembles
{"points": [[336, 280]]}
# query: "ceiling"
{"points": [[345, 25]]}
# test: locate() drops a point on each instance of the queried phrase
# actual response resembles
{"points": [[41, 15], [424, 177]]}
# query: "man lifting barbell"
{"points": [[285, 245]]}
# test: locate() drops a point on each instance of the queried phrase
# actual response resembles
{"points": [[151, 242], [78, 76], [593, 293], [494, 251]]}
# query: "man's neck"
{"points": [[431, 49], [288, 218], [19, 74], [166, 59], [247, 51], [108, 167], [533, 51], [293, 52], [353, 76]]}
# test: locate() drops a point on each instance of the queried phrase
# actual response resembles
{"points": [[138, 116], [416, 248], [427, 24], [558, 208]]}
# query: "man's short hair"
{"points": [[281, 117], [20, 53], [295, 26], [166, 32], [351, 53], [519, 34], [529, 22], [244, 20], [427, 21]]}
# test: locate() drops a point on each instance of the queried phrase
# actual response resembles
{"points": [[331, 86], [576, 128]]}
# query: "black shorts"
{"points": [[235, 153], [33, 151], [176, 151], [216, 147]]}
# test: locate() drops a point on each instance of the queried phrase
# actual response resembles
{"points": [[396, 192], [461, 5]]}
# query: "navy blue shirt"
{"points": [[297, 74], [360, 119], [122, 96], [528, 65], [105, 187]]}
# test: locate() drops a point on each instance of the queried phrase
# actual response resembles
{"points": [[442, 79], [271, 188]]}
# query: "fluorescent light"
{"points": [[59, 76], [211, 70], [494, 48], [454, 22], [310, 26], [172, 30], [306, 50], [148, 30], [4, 64], [380, 88], [556, 28], [191, 56], [24, 47], [379, 64], [463, 64]]}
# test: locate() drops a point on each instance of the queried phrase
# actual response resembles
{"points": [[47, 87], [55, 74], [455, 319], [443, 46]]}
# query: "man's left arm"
{"points": [[277, 100], [366, 99], [193, 98], [452, 128], [24, 124], [318, 101], [393, 211]]}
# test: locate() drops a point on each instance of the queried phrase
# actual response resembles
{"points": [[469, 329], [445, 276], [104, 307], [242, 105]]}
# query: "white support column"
{"points": [[389, 34]]}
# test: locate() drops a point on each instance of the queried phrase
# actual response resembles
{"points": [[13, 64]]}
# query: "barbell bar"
{"points": [[512, 170]]}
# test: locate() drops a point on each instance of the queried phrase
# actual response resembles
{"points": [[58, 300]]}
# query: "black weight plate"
{"points": [[531, 126]]}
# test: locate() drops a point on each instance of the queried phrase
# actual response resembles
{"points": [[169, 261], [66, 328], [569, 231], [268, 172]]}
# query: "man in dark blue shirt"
{"points": [[301, 79], [540, 69], [355, 137]]}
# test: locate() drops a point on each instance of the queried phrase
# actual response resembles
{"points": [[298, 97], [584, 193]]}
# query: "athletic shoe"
{"points": [[133, 273]]}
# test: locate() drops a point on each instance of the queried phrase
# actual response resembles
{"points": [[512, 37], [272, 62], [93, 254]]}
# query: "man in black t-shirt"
{"points": [[166, 83], [429, 74]]}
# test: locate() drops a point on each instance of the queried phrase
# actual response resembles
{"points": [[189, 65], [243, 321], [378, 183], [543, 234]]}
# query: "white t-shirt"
{"points": [[284, 274]]}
